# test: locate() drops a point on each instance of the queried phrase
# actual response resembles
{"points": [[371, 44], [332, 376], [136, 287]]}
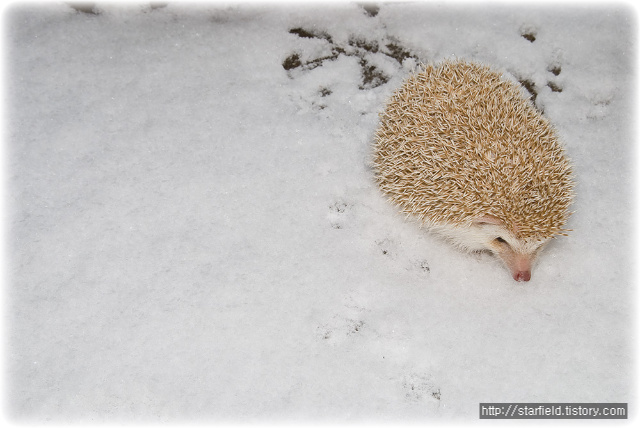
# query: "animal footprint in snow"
{"points": [[338, 214], [529, 32], [420, 387], [322, 93], [347, 324], [339, 329], [555, 68], [599, 107], [387, 247], [421, 266]]}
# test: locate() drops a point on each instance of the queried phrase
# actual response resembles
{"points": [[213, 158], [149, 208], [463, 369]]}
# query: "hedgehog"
{"points": [[461, 148]]}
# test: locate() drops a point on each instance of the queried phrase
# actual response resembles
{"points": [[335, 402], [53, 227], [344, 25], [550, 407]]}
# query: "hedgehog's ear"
{"points": [[488, 219]]}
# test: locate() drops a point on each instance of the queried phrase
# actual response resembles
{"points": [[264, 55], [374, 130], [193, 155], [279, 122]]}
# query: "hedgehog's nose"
{"points": [[523, 275]]}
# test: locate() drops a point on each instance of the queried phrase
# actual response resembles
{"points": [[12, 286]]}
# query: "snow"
{"points": [[194, 234]]}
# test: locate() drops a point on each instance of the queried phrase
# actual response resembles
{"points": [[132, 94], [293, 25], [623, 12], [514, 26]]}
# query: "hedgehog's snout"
{"points": [[524, 275], [518, 261], [518, 264]]}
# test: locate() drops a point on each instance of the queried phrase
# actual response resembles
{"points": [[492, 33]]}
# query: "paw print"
{"points": [[421, 266], [387, 247], [338, 213], [421, 388], [339, 329], [530, 33], [345, 325]]}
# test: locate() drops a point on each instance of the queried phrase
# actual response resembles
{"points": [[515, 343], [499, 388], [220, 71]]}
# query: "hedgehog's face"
{"points": [[517, 254]]}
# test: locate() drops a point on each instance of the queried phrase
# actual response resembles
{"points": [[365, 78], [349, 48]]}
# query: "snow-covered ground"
{"points": [[193, 232]]}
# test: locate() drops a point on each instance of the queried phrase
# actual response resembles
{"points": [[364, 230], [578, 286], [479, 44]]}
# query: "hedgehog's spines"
{"points": [[467, 142]]}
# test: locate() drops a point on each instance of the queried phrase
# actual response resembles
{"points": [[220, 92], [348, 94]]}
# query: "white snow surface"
{"points": [[194, 232]]}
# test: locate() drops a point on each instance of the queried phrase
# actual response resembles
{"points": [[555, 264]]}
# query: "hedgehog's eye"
{"points": [[500, 240]]}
